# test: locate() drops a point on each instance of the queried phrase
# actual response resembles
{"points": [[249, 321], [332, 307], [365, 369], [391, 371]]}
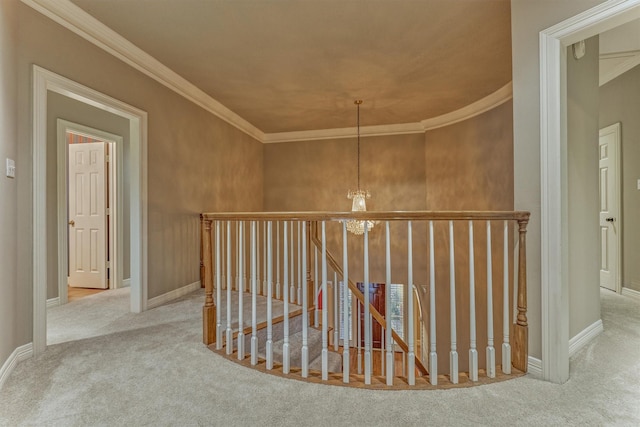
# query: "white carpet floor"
{"points": [[106, 366]]}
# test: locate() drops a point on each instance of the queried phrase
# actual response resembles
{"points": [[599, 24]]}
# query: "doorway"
{"points": [[45, 82], [553, 43], [90, 210]]}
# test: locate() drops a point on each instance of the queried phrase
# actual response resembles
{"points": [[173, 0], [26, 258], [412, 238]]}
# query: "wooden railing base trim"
{"points": [[209, 324], [519, 356], [377, 382]]}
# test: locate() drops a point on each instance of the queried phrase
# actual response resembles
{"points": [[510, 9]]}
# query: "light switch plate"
{"points": [[11, 168], [639, 184]]}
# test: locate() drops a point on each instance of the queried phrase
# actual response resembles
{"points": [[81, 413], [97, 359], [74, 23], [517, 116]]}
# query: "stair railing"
{"points": [[224, 266], [393, 336]]}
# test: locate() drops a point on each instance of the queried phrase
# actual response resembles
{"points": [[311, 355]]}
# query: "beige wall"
{"points": [[62, 107], [468, 165], [8, 187], [528, 18], [620, 102], [583, 203], [196, 162]]}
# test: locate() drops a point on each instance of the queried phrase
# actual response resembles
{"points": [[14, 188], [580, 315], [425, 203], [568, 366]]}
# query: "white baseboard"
{"points": [[52, 302], [535, 367], [126, 283], [585, 336], [628, 292], [169, 296], [19, 354]]}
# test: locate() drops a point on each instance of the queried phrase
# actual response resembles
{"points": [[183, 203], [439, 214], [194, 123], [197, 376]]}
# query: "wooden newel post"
{"points": [[209, 309], [201, 254], [520, 355]]}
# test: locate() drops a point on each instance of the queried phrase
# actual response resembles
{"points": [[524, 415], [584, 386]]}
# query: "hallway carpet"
{"points": [[152, 369]]}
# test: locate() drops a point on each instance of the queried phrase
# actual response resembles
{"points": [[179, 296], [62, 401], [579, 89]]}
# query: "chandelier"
{"points": [[359, 196]]}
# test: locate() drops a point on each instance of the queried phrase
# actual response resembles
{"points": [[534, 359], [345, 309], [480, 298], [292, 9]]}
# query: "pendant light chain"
{"points": [[358, 102]]}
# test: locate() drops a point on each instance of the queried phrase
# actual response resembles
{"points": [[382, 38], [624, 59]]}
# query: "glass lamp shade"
{"points": [[359, 204]]}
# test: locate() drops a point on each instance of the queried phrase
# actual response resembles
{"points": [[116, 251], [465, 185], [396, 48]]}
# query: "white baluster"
{"points": [[223, 246], [245, 257], [254, 294], [506, 347], [240, 262], [218, 285], [433, 355], [285, 294], [345, 305], [382, 350], [292, 290], [367, 322], [404, 364], [264, 259], [316, 313], [300, 272], [237, 281], [278, 260], [258, 255], [453, 354], [388, 330], [411, 356], [359, 336], [325, 307], [336, 317], [491, 352], [229, 330], [269, 295], [473, 352], [305, 305]]}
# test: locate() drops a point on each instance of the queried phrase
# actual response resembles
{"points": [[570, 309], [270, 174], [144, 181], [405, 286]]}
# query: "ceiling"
{"points": [[619, 50], [296, 65]]}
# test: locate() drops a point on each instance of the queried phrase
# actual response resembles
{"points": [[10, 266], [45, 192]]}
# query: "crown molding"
{"points": [[485, 104], [491, 101], [72, 17], [633, 59], [338, 133]]}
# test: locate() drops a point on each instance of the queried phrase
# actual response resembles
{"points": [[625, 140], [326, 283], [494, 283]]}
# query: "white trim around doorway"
{"points": [[553, 171], [43, 82]]}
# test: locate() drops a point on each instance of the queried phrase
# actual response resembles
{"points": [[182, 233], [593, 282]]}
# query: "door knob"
{"points": [[611, 219], [73, 223]]}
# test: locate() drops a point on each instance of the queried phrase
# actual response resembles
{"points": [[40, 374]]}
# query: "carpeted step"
{"points": [[334, 359], [314, 344], [277, 332]]}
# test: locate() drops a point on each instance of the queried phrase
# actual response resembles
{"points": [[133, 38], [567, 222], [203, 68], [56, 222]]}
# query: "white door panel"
{"points": [[87, 215], [609, 150]]}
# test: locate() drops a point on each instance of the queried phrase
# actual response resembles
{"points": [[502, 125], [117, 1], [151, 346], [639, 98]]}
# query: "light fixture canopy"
{"points": [[359, 196]]}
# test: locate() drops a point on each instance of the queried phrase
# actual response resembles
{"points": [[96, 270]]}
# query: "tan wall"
{"points": [[620, 102], [528, 18], [62, 107], [464, 166], [583, 203], [8, 187], [196, 162]]}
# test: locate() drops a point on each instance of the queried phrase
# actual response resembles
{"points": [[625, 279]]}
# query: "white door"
{"points": [[87, 216], [610, 224]]}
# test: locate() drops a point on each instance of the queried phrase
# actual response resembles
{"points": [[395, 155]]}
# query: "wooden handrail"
{"points": [[374, 216], [374, 312]]}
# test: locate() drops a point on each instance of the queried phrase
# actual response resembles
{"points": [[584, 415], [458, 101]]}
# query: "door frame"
{"points": [[116, 219], [554, 274], [43, 82], [616, 130]]}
